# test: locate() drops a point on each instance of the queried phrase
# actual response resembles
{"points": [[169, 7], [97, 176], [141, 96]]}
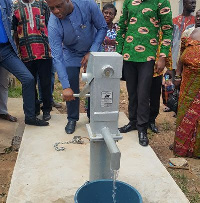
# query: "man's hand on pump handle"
{"points": [[68, 92]]}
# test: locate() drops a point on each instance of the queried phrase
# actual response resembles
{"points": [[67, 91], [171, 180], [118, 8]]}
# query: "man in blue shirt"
{"points": [[10, 61], [75, 29]]}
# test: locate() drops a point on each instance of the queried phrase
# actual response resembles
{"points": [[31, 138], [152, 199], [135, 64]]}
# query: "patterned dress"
{"points": [[110, 39], [187, 137], [139, 28]]}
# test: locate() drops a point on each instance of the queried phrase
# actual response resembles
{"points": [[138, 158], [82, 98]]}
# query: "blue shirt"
{"points": [[3, 36], [70, 39]]}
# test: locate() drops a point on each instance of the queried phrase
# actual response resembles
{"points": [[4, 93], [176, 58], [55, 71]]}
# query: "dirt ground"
{"points": [[188, 180]]}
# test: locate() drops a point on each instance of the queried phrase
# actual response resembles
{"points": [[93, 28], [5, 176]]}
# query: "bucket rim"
{"points": [[108, 180]]}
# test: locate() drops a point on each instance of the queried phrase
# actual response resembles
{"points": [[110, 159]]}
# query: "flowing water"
{"points": [[115, 175]]}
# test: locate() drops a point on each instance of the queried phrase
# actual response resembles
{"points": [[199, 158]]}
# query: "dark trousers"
{"points": [[10, 61], [155, 98], [53, 71], [42, 68], [73, 106], [138, 76]]}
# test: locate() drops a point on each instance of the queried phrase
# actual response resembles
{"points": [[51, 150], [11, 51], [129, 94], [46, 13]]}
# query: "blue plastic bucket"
{"points": [[100, 191]]}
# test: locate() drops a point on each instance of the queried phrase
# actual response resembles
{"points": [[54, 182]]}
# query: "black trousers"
{"points": [[155, 98], [73, 106], [42, 68], [138, 76]]}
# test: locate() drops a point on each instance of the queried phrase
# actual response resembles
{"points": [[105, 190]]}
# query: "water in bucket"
{"points": [[101, 191]]}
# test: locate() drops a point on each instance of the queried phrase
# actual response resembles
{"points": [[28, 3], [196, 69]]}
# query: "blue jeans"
{"points": [[10, 61]]}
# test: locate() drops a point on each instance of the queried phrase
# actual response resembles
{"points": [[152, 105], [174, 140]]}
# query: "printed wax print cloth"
{"points": [[187, 136], [30, 23], [139, 27], [109, 43], [168, 60]]}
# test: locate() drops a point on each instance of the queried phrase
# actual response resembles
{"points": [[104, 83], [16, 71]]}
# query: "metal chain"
{"points": [[75, 140]]}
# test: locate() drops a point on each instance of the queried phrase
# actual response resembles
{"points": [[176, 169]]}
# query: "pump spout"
{"points": [[115, 154]]}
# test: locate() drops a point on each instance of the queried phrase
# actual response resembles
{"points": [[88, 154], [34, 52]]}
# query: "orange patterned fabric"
{"points": [[187, 136], [191, 52], [168, 59]]}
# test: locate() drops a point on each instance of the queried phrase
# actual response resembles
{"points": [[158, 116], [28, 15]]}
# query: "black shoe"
{"points": [[56, 105], [127, 128], [70, 127], [36, 122], [37, 113], [143, 139], [153, 127], [46, 116]]}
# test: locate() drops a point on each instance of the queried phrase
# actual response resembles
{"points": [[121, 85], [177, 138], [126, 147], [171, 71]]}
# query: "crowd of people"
{"points": [[37, 36]]}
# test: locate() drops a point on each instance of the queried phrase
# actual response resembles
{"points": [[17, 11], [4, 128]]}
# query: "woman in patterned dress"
{"points": [[187, 136], [109, 12]]}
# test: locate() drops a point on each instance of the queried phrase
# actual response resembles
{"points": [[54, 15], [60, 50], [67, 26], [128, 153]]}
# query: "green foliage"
{"points": [[150, 134], [8, 150], [15, 92], [57, 91], [195, 198]]}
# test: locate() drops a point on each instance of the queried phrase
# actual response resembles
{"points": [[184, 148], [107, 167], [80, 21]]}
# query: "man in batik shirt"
{"points": [[30, 31], [137, 40]]}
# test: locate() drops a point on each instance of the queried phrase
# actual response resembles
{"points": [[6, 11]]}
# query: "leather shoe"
{"points": [[35, 121], [56, 105], [153, 127], [143, 139], [8, 117], [127, 128], [46, 116], [70, 127]]}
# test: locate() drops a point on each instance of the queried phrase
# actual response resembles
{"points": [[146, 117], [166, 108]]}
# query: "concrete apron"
{"points": [[44, 175]]}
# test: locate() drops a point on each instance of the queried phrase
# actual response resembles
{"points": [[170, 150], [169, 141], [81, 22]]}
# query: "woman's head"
{"points": [[109, 12], [196, 34], [197, 19]]}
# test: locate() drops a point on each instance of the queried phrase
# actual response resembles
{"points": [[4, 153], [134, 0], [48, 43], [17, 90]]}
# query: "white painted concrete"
{"points": [[43, 175]]}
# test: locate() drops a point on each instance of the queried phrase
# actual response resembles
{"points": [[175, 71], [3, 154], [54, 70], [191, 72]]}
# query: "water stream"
{"points": [[115, 175]]}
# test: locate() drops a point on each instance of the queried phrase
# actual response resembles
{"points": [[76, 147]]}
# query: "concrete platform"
{"points": [[43, 175], [11, 132]]}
